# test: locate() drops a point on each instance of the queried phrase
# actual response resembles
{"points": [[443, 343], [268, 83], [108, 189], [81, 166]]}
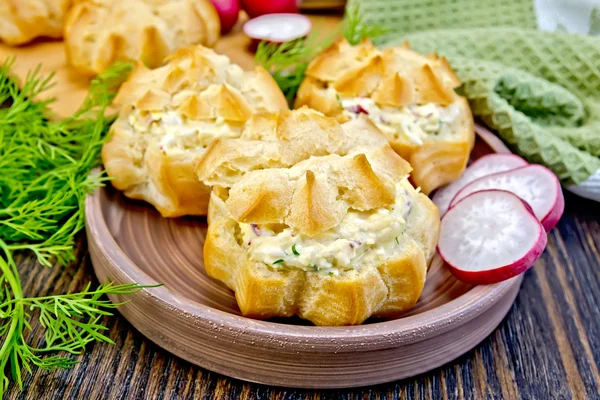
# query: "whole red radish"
{"points": [[490, 236], [229, 12], [255, 8]]}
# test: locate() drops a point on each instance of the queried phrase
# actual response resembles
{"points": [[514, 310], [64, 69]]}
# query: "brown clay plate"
{"points": [[197, 319]]}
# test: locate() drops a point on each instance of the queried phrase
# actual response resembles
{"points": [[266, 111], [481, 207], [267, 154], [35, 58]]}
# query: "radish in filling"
{"points": [[412, 122], [361, 236]]}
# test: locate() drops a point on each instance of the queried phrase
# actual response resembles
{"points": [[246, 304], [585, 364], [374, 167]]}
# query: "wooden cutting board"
{"points": [[71, 88]]}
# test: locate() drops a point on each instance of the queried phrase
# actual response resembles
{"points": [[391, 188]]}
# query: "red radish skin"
{"points": [[552, 218], [256, 8], [487, 165], [229, 12], [535, 184], [490, 236], [278, 28]]}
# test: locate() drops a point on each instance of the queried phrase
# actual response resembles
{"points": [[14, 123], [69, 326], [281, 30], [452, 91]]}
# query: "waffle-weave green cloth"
{"points": [[540, 91]]}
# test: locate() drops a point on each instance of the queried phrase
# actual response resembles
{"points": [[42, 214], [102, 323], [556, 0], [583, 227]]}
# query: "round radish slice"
{"points": [[490, 236], [535, 184], [487, 165], [278, 28]]}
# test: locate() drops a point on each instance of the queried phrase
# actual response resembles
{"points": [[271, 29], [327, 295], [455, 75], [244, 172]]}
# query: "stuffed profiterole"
{"points": [[312, 218], [410, 97], [100, 32], [21, 21], [168, 117]]}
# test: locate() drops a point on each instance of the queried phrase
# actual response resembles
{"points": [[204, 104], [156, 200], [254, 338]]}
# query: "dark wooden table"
{"points": [[548, 347]]}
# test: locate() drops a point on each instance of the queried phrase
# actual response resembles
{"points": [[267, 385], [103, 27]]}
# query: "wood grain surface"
{"points": [[548, 347]]}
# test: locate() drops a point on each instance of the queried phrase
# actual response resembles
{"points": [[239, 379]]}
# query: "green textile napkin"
{"points": [[540, 91]]}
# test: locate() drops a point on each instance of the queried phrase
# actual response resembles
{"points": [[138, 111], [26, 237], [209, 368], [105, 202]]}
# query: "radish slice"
{"points": [[278, 28], [490, 236], [487, 165], [255, 8], [535, 184], [229, 12]]}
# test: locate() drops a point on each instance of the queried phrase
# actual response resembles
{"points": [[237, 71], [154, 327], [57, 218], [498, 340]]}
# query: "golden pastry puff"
{"points": [[21, 21], [169, 115], [334, 238], [100, 32], [410, 97]]}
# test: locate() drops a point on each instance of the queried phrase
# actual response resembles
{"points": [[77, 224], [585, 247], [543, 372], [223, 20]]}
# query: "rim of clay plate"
{"points": [[370, 336]]}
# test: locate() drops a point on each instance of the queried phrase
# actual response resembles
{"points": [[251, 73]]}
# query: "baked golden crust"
{"points": [[21, 21], [386, 288], [393, 81], [272, 140], [100, 32], [168, 116], [299, 198], [355, 175]]}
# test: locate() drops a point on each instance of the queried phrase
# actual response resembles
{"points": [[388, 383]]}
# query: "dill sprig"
{"points": [[287, 62], [45, 175], [355, 28]]}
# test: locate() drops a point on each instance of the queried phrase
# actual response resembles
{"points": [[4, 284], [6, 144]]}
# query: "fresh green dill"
{"points": [[45, 175], [294, 250], [397, 242], [287, 62], [356, 29], [278, 261]]}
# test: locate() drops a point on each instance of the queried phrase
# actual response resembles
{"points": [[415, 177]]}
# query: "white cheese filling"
{"points": [[179, 132], [412, 122], [359, 235]]}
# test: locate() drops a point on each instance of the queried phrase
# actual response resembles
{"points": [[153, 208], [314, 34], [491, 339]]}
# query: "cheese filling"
{"points": [[412, 122], [179, 132], [360, 235]]}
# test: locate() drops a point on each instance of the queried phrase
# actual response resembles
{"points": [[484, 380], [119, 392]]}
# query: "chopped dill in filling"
{"points": [[412, 122], [360, 236]]}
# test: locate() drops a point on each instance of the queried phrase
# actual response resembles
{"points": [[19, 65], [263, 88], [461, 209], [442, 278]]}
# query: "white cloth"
{"points": [[590, 189], [574, 16]]}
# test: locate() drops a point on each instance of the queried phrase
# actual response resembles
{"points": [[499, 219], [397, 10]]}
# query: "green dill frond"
{"points": [[355, 28], [45, 175], [287, 62]]}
